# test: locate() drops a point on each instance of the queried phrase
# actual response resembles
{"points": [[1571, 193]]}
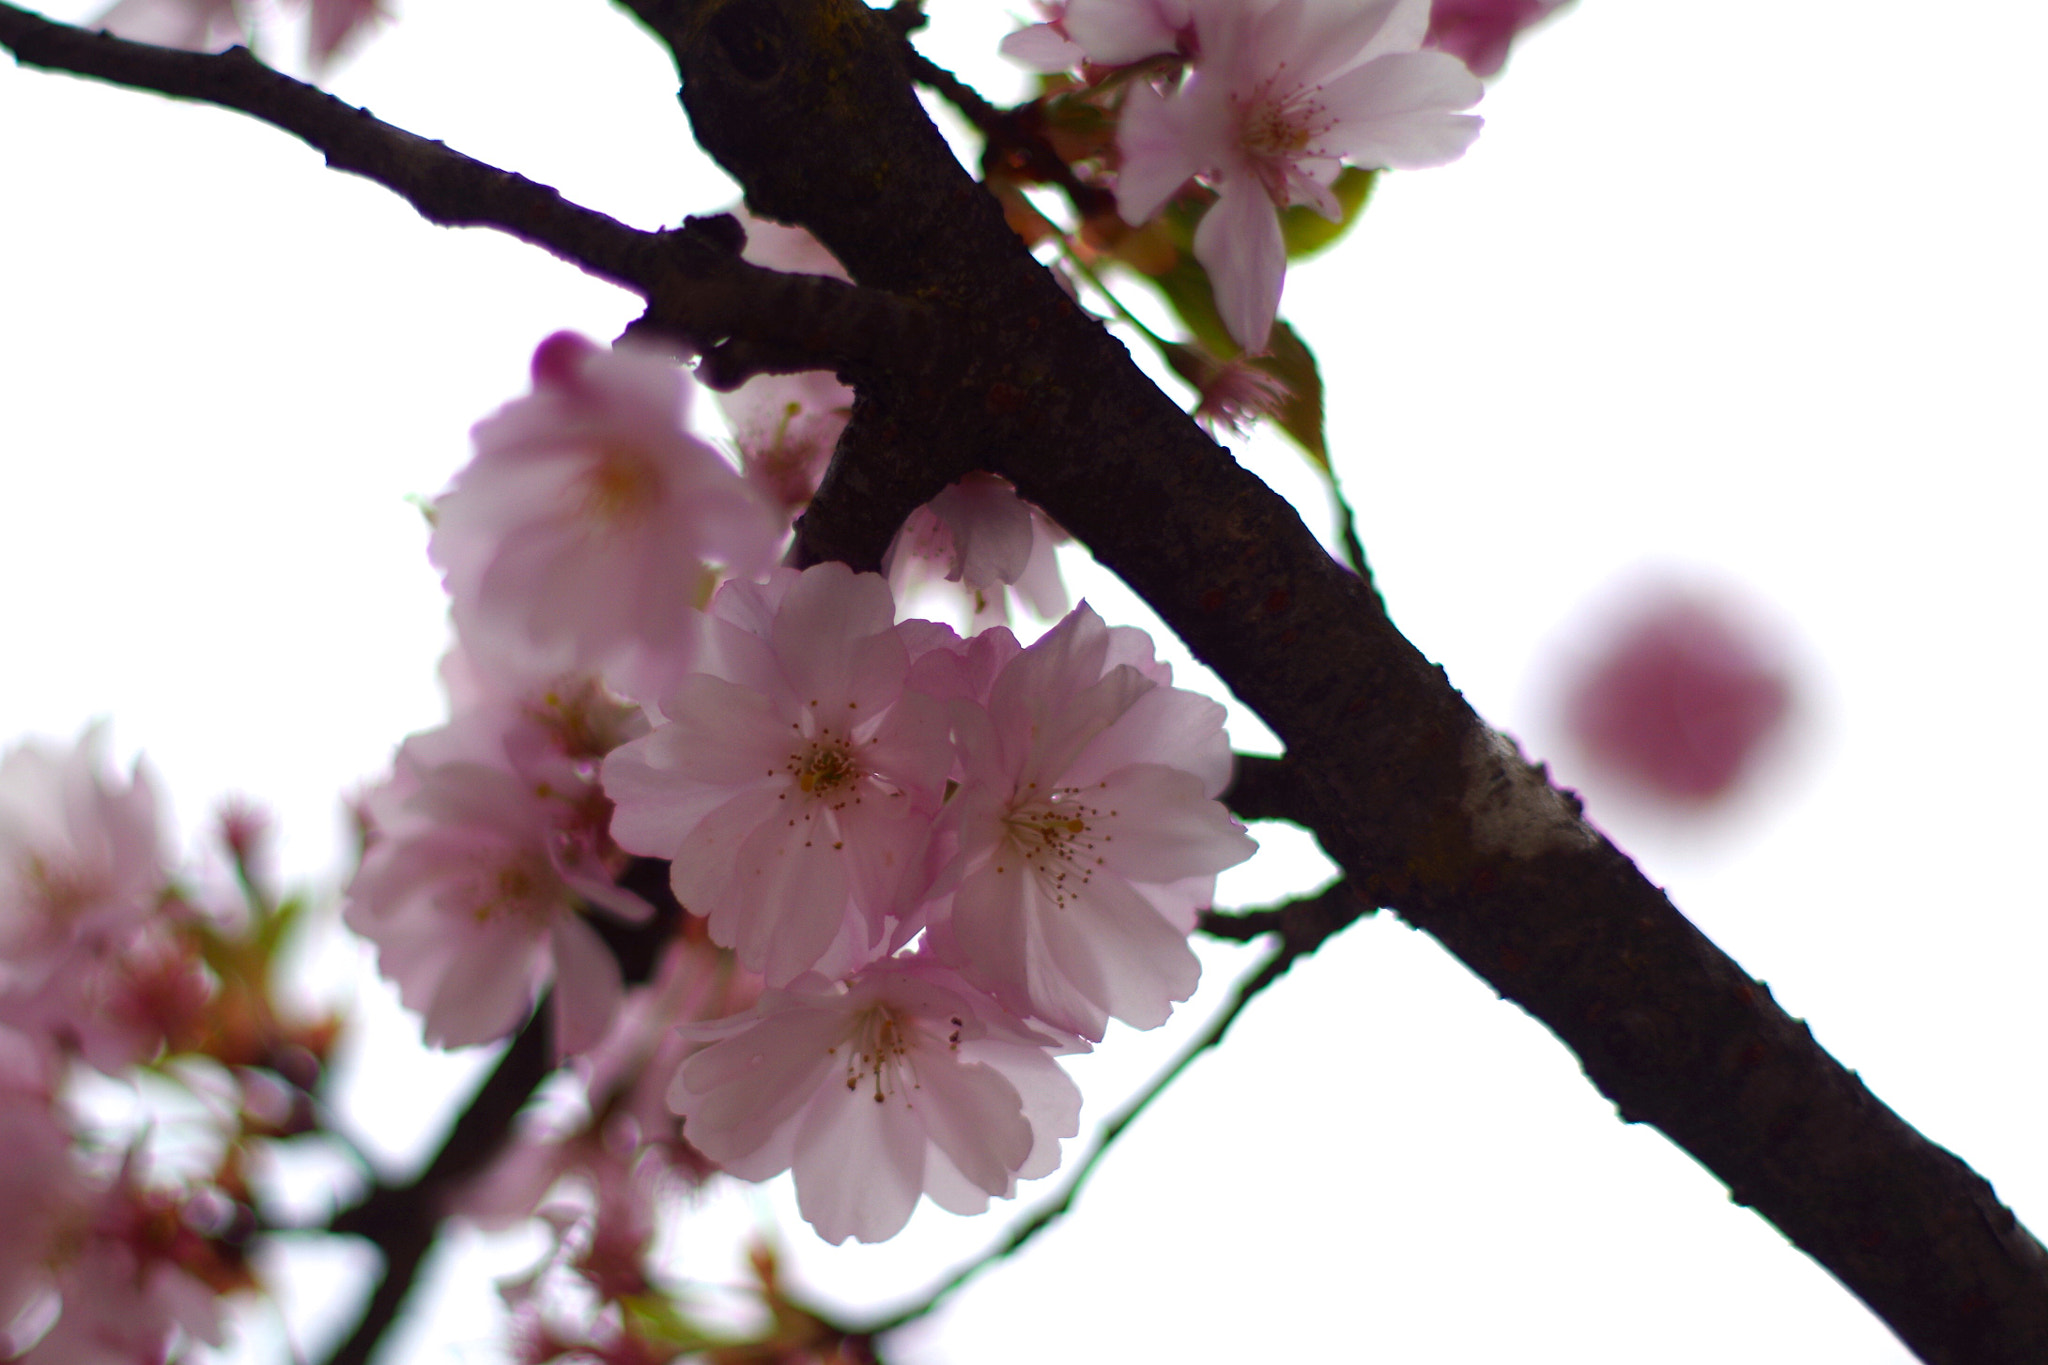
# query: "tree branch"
{"points": [[808, 103], [1304, 923], [698, 289], [1014, 140], [403, 1220], [1265, 788]]}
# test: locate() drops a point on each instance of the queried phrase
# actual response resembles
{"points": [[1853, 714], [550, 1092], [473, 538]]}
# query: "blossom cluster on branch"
{"points": [[915, 867], [941, 861], [111, 968]]}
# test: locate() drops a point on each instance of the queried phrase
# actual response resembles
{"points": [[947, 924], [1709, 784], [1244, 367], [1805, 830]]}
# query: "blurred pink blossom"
{"points": [[82, 862], [579, 534], [43, 1194], [979, 534], [1479, 32], [472, 889], [1682, 700], [335, 22], [786, 425], [202, 25]]}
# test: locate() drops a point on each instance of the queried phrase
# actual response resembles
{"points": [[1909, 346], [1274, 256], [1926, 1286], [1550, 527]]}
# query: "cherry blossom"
{"points": [[81, 856], [979, 534], [578, 535], [42, 1193], [786, 425], [904, 1082], [793, 783], [212, 24], [1088, 833], [1686, 696], [1283, 93], [472, 890], [1045, 46], [130, 1275], [622, 1119], [1479, 32], [334, 23], [202, 25]]}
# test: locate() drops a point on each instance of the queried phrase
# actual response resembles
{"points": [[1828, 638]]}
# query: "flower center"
{"points": [[1057, 838], [876, 1051], [518, 884], [622, 483], [62, 889], [826, 767], [1278, 131]]}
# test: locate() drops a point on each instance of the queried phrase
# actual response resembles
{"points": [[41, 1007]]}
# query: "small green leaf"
{"points": [[1306, 232], [1186, 290], [1301, 415]]}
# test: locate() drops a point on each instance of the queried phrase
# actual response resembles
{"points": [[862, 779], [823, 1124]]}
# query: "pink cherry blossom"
{"points": [[980, 535], [1685, 698], [129, 1279], [1284, 92], [1103, 32], [1479, 32], [1045, 46], [622, 1119], [472, 890], [580, 532], [335, 22], [793, 782], [905, 1082], [1088, 833], [43, 1194], [202, 25], [81, 856], [786, 425]]}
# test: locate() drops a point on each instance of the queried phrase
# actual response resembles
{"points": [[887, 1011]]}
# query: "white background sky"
{"points": [[1748, 294]]}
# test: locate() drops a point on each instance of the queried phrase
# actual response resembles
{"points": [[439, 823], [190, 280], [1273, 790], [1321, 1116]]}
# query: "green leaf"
{"points": [[1301, 415], [1306, 232], [1186, 290]]}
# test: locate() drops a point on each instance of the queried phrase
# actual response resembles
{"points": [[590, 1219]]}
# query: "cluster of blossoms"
{"points": [[916, 867], [1264, 101], [106, 968]]}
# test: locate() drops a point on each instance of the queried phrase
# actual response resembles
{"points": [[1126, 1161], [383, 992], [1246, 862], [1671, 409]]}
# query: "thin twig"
{"points": [[403, 1221], [1303, 923], [1013, 141], [696, 285]]}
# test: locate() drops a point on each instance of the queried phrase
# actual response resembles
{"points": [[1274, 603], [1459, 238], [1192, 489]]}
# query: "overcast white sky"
{"points": [[1748, 295]]}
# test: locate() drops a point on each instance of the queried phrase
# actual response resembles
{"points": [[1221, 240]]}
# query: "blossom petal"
{"points": [[859, 1165], [1159, 155], [1396, 111], [1238, 242]]}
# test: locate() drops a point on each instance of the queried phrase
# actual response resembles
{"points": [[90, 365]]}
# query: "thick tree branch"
{"points": [[1266, 788], [809, 104]]}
